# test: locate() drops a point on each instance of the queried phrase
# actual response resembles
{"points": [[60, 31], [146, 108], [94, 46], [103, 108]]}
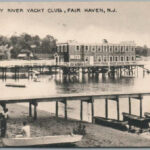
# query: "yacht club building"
{"points": [[95, 53]]}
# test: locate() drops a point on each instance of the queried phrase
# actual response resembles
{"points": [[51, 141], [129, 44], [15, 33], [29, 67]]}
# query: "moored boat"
{"points": [[41, 141], [15, 85], [136, 121]]}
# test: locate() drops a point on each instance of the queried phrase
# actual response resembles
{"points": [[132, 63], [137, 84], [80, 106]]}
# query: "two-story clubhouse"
{"points": [[94, 54]]}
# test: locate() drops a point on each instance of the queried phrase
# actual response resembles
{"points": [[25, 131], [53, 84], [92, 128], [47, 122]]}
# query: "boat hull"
{"points": [[40, 141]]}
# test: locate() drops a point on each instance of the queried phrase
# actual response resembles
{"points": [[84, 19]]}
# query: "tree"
{"points": [[48, 44]]}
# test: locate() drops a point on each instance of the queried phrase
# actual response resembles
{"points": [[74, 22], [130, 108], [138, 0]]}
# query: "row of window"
{"points": [[98, 48], [115, 58], [106, 48], [105, 58]]}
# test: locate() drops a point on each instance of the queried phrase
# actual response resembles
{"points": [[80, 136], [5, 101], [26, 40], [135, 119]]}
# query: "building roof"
{"points": [[104, 42]]}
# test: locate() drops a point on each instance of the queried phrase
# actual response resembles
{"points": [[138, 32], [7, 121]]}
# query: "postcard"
{"points": [[75, 74]]}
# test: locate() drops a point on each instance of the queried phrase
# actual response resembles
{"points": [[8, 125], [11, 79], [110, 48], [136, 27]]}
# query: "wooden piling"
{"points": [[140, 106], [81, 110], [18, 73], [65, 109], [35, 111], [92, 109], [57, 109], [15, 73], [30, 109], [106, 108], [118, 111], [5, 73], [129, 105]]}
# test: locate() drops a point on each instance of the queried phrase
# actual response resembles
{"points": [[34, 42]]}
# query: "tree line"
{"points": [[29, 42], [35, 44], [142, 51]]}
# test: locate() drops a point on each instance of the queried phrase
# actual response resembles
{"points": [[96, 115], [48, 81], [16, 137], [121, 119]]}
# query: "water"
{"points": [[51, 85]]}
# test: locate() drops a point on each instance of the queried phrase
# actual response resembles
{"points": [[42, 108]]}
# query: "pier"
{"points": [[64, 98], [16, 67]]}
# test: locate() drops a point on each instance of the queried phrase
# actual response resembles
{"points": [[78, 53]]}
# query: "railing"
{"points": [[82, 64], [23, 63]]}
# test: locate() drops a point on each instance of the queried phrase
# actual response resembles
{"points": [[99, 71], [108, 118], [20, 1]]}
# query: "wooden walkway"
{"points": [[89, 98]]}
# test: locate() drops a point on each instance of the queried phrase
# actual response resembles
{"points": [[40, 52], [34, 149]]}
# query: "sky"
{"points": [[130, 21]]}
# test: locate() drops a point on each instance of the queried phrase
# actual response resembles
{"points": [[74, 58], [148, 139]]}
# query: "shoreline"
{"points": [[96, 135]]}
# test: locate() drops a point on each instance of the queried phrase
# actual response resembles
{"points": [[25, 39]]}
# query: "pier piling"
{"points": [[92, 109], [140, 106], [129, 105], [65, 108], [106, 108], [81, 110], [118, 110], [56, 109], [35, 111], [30, 109]]}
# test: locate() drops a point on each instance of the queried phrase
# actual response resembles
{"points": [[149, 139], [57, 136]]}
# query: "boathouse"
{"points": [[94, 54]]}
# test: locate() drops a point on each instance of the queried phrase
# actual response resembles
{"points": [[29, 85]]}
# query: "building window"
{"points": [[77, 48], [110, 49], [116, 58], [121, 48], [111, 58], [64, 48], [116, 49], [99, 49], [122, 58], [61, 48], [86, 47], [93, 49], [82, 47], [127, 58], [133, 58], [127, 49]]}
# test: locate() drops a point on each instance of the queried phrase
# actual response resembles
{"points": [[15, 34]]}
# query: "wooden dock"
{"points": [[63, 98], [68, 68]]}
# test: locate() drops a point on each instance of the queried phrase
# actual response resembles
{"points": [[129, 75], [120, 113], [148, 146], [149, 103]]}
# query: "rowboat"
{"points": [[15, 85], [41, 141], [120, 125], [136, 121]]}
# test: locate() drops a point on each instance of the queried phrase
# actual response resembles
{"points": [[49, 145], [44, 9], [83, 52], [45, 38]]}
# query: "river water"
{"points": [[52, 85]]}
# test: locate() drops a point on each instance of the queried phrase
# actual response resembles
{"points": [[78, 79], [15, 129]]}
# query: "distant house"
{"points": [[25, 54]]}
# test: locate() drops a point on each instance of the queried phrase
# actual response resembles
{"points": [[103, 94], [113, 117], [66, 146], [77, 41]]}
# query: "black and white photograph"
{"points": [[75, 74]]}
